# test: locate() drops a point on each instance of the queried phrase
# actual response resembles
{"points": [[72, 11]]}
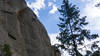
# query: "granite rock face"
{"points": [[21, 33]]}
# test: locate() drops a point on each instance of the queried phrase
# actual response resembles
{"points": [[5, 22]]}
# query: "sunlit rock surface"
{"points": [[21, 33]]}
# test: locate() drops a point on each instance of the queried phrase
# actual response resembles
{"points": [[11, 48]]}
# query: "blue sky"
{"points": [[46, 10], [47, 13]]}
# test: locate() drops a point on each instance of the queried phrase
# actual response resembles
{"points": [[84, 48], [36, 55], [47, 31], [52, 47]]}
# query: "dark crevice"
{"points": [[33, 19], [6, 12], [11, 36]]}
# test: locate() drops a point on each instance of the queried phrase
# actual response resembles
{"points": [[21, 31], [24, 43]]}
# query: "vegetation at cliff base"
{"points": [[7, 50]]}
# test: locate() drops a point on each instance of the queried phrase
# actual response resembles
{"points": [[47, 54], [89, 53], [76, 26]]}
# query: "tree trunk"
{"points": [[77, 53]]}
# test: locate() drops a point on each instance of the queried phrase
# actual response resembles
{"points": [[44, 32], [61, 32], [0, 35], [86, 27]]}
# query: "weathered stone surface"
{"points": [[22, 31]]}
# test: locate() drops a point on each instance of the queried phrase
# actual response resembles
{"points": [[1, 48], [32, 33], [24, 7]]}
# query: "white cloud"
{"points": [[53, 10], [53, 38], [82, 0], [93, 15], [90, 10], [37, 5], [86, 0], [54, 7]]}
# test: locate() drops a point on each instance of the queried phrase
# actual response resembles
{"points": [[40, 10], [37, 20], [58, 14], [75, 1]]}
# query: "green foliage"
{"points": [[98, 5], [95, 49], [96, 53], [7, 50], [72, 32]]}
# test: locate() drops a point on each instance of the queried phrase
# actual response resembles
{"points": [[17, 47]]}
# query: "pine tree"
{"points": [[72, 31], [95, 49], [97, 5]]}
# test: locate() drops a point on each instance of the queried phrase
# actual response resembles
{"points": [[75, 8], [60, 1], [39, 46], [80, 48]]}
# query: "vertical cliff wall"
{"points": [[21, 33]]}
